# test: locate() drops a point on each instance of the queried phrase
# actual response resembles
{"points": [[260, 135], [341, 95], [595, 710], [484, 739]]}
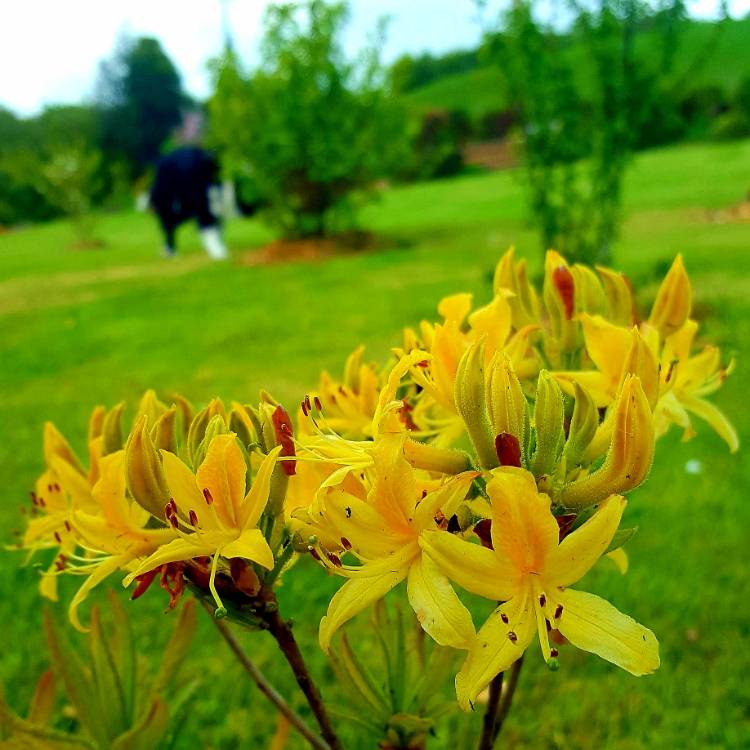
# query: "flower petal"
{"points": [[523, 527], [497, 646], [104, 569], [593, 624], [436, 605], [251, 545], [223, 473], [474, 568], [182, 548], [353, 597], [249, 513], [183, 487], [360, 524], [446, 497], [579, 551], [607, 344], [715, 418]]}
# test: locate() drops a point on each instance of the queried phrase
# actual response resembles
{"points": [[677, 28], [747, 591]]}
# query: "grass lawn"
{"points": [[79, 328]]}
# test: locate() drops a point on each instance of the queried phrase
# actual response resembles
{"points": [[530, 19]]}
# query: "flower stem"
{"points": [[265, 686], [487, 740], [282, 633], [507, 696]]}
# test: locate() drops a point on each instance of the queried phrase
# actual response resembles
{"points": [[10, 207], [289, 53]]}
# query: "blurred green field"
{"points": [[707, 54], [79, 328]]}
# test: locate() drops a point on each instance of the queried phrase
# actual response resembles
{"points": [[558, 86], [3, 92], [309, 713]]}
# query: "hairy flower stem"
{"points": [[282, 633], [487, 740], [507, 696], [265, 686]]}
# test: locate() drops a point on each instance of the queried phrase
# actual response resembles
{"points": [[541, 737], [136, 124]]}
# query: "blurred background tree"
{"points": [[313, 129]]}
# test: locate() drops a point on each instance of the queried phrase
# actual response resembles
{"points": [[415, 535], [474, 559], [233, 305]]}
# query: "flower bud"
{"points": [[112, 430], [641, 361], [590, 295], [620, 303], [507, 404], [163, 432], [471, 403], [150, 406], [197, 430], [673, 300], [559, 295], [511, 276], [241, 425], [631, 451], [144, 473], [583, 425], [549, 414]]}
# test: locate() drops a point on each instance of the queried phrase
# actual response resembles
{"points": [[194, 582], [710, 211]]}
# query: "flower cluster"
{"points": [[490, 456]]}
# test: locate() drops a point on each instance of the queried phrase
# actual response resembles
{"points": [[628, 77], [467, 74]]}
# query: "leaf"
{"points": [[123, 653], [43, 701], [179, 643], [111, 697], [361, 678], [621, 536], [79, 686], [149, 731]]}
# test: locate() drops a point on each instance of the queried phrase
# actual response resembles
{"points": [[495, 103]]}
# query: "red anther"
{"points": [[672, 365], [504, 617], [314, 554], [508, 450], [59, 565], [318, 405], [49, 488], [208, 496], [67, 525], [32, 494], [562, 278], [41, 502], [144, 581], [345, 543], [554, 653], [483, 530], [342, 391], [542, 600], [558, 611], [304, 408], [62, 557], [173, 582], [58, 538], [423, 363], [281, 423], [173, 522], [334, 559], [308, 406], [168, 510], [193, 517], [565, 522], [56, 487], [512, 637]]}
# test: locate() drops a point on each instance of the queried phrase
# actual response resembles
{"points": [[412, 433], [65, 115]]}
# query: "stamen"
{"points": [[504, 617], [558, 611], [542, 600], [345, 543], [220, 611], [554, 653], [58, 538], [512, 637], [318, 405], [193, 517], [308, 406], [208, 496]]}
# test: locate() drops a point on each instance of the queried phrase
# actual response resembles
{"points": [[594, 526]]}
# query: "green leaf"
{"points": [[361, 678], [621, 536], [123, 652], [179, 643], [107, 680], [43, 701], [149, 731], [79, 685], [112, 429]]}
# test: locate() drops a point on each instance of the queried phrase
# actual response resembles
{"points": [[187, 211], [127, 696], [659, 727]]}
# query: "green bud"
{"points": [[163, 431], [240, 424], [549, 424], [215, 427], [508, 407], [144, 473], [471, 402], [583, 426], [112, 430], [553, 664]]}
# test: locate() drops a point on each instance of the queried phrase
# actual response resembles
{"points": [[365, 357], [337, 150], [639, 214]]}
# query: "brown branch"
{"points": [[282, 632], [507, 696], [265, 686], [487, 740]]}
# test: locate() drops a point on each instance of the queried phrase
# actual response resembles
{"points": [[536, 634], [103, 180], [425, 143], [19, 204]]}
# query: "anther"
{"points": [[558, 611], [504, 617], [308, 406], [318, 405], [512, 637], [334, 559], [345, 543], [58, 539], [173, 521], [193, 517], [56, 487], [553, 652], [67, 525], [542, 600], [208, 496]]}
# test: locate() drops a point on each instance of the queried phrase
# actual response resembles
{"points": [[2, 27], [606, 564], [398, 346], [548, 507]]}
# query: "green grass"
{"points": [[706, 56], [79, 328]]}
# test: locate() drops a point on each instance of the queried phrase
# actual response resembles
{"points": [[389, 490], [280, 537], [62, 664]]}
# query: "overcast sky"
{"points": [[50, 49]]}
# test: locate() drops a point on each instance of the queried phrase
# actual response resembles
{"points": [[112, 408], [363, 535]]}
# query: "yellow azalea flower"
{"points": [[686, 380], [383, 532], [673, 302], [348, 406], [211, 511], [113, 535], [529, 570]]}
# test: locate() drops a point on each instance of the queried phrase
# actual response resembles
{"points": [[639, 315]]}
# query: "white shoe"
{"points": [[213, 244]]}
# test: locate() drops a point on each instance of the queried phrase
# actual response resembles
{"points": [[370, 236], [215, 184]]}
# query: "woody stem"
{"points": [[282, 633], [507, 696], [487, 740], [265, 686]]}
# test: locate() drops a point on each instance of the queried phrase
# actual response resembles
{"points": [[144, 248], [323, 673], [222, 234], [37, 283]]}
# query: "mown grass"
{"points": [[79, 328]]}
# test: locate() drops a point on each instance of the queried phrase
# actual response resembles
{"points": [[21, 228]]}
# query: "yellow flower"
{"points": [[383, 532], [529, 570], [211, 512], [673, 300], [113, 535]]}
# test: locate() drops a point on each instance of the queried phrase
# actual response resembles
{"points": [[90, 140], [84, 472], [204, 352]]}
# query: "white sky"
{"points": [[50, 49]]}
